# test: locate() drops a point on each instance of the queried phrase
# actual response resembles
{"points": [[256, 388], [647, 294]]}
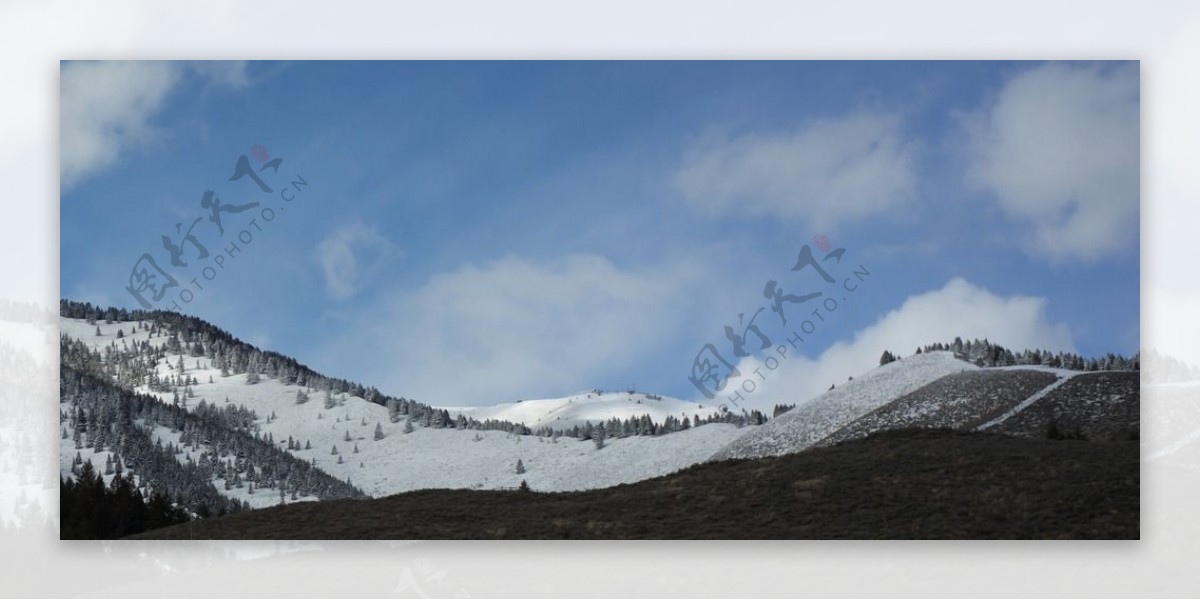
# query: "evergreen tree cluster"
{"points": [[215, 444], [91, 510], [1161, 368], [644, 425], [987, 354]]}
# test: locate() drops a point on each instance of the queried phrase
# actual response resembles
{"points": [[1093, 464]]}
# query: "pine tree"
{"points": [[520, 467], [378, 431]]}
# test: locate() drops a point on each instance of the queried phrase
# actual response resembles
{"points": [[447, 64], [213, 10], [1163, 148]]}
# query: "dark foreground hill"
{"points": [[899, 484]]}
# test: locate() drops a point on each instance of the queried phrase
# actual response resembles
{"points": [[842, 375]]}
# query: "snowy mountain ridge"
{"points": [[365, 444]]}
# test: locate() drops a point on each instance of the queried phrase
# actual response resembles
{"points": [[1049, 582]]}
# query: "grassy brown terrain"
{"points": [[931, 484], [1099, 406]]}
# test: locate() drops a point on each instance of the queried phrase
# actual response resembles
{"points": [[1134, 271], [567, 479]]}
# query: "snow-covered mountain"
{"points": [[382, 455], [594, 407], [239, 424]]}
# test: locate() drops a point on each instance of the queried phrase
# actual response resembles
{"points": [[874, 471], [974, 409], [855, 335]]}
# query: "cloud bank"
{"points": [[514, 329]]}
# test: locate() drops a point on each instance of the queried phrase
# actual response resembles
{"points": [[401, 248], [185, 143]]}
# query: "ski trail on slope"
{"points": [[1175, 447], [1026, 403]]}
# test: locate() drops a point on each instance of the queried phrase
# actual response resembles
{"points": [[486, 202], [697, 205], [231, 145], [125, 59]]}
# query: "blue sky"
{"points": [[475, 232]]}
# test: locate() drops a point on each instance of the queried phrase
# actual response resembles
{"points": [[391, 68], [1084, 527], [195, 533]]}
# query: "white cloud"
{"points": [[350, 256], [829, 171], [107, 106], [513, 329], [957, 309], [1059, 148]]}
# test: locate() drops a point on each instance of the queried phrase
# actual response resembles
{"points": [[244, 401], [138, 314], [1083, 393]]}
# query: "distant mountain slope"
{"points": [[812, 421], [959, 401], [903, 484], [1102, 405], [594, 407]]}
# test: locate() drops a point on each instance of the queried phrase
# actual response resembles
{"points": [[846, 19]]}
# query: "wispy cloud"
{"points": [[1059, 149], [829, 171], [351, 256]]}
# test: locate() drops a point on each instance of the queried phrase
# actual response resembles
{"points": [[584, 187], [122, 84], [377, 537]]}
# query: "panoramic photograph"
{"points": [[803, 300]]}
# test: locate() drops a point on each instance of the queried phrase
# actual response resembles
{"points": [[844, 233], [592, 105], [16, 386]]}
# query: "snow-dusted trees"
{"points": [[520, 467], [987, 354], [378, 431]]}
